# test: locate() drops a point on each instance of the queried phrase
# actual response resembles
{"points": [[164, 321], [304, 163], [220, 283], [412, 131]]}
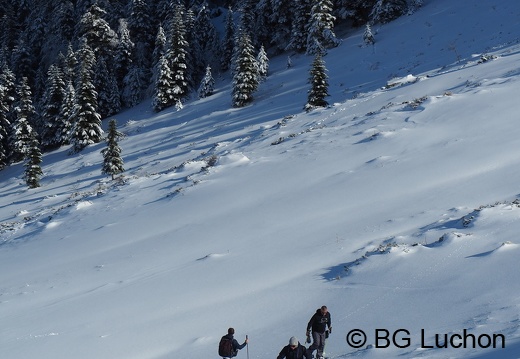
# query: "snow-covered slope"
{"points": [[395, 207]]}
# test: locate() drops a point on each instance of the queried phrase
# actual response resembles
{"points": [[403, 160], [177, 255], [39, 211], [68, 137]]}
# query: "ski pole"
{"points": [[247, 348]]}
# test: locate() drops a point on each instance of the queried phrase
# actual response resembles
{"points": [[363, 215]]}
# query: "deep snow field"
{"points": [[397, 207]]}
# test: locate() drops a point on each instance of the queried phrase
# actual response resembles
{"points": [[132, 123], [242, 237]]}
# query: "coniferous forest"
{"points": [[65, 65]]}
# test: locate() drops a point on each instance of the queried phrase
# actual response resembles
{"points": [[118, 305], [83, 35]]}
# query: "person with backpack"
{"points": [[294, 351], [321, 326], [229, 346]]}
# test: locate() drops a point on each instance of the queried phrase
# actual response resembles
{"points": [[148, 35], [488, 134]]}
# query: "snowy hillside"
{"points": [[397, 207]]}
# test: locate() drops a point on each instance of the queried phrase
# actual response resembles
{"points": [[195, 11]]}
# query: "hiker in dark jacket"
{"points": [[236, 345], [321, 327], [294, 351]]}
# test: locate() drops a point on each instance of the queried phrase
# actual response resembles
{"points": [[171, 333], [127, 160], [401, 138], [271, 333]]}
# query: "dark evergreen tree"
{"points": [[68, 114], [207, 84], [53, 98], [69, 65], [245, 72], [142, 26], [298, 39], [319, 84], [205, 43], [357, 11], [109, 100], [87, 127], [387, 10], [112, 161], [123, 54], [228, 42], [321, 28], [133, 86], [282, 17], [33, 170], [248, 17], [23, 128], [22, 60]]}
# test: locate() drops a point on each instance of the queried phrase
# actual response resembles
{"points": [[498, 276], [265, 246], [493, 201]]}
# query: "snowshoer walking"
{"points": [[229, 346], [294, 351], [321, 326]]}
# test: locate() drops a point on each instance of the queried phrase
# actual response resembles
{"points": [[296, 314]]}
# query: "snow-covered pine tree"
{"points": [[368, 36], [98, 33], [33, 170], [207, 84], [87, 128], [159, 51], [319, 84], [53, 98], [112, 161], [321, 28], [23, 130], [176, 57], [103, 41], [163, 96], [7, 96], [4, 129], [228, 42], [263, 64], [245, 72]]}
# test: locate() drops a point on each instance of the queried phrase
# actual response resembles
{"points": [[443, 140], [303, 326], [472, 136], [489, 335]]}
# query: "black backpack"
{"points": [[225, 348]]}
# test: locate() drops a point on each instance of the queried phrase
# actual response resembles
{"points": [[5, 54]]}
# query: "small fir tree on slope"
{"points": [[33, 170], [207, 84], [112, 161], [319, 84]]}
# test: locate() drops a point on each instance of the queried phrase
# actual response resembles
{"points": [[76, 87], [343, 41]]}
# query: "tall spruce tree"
{"points": [[4, 129], [112, 161], [68, 114], [163, 96], [176, 57], [245, 72], [33, 170], [53, 98], [319, 84], [87, 128]]}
